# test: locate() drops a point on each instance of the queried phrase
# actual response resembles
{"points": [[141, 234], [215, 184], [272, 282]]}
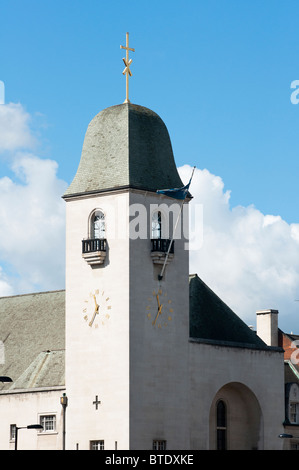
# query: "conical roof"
{"points": [[125, 146]]}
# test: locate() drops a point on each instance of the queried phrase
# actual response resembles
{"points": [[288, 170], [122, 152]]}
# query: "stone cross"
{"points": [[96, 402]]}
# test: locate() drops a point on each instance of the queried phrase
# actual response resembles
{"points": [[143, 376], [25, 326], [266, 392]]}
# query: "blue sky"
{"points": [[218, 72]]}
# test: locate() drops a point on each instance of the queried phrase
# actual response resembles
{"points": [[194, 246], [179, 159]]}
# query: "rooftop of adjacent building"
{"points": [[32, 329]]}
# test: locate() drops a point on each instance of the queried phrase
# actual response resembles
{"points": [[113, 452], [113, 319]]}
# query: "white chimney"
{"points": [[267, 326]]}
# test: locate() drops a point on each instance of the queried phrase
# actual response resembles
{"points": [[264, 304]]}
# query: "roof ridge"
{"points": [[32, 293]]}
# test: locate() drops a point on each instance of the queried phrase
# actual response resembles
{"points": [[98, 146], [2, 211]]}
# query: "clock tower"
{"points": [[127, 290]]}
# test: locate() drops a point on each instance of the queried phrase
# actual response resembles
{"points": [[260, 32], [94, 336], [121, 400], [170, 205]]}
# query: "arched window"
{"points": [[221, 425], [294, 413], [98, 226], [156, 225]]}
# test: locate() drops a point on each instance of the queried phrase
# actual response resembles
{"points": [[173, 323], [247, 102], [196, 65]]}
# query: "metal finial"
{"points": [[127, 63]]}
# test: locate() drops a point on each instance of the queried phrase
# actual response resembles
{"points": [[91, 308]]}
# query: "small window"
{"points": [[97, 445], [159, 445], [221, 425], [12, 432], [156, 225], [48, 423], [294, 413], [294, 445], [98, 226]]}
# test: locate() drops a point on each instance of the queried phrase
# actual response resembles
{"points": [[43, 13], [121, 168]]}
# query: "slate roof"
{"points": [[32, 335], [125, 146], [211, 320], [291, 373]]}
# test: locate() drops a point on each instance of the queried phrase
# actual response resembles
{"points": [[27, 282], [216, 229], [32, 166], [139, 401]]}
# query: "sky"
{"points": [[220, 73]]}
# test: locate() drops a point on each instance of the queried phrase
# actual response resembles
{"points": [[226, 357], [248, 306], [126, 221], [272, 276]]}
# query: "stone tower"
{"points": [[126, 328]]}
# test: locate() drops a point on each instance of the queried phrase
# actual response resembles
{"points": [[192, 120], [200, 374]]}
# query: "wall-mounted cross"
{"points": [[96, 402]]}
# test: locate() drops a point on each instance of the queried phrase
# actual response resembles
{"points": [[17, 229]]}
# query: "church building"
{"points": [[125, 358], [136, 352]]}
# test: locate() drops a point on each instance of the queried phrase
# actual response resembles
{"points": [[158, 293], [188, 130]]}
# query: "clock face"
{"points": [[96, 309], [159, 310]]}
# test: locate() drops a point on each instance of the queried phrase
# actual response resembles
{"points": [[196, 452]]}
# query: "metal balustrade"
{"points": [[162, 245], [94, 244]]}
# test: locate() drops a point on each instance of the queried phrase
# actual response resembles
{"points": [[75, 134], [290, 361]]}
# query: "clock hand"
{"points": [[159, 310], [95, 301], [95, 312]]}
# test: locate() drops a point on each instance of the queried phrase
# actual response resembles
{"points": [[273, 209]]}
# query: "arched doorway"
{"points": [[236, 421]]}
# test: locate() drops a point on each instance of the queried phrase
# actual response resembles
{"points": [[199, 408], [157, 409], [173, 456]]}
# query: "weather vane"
{"points": [[127, 63]]}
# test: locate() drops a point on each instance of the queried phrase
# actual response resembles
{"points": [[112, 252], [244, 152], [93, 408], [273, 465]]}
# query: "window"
{"points": [[12, 432], [159, 445], [98, 228], [294, 445], [294, 413], [221, 425], [94, 247], [156, 225], [97, 445], [48, 423]]}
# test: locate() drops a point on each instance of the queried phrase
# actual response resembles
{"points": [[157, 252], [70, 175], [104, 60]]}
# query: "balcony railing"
{"points": [[94, 250], [94, 244], [162, 245]]}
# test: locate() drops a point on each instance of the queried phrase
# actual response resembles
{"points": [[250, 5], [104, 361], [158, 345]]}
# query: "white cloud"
{"points": [[15, 128], [5, 287], [249, 259], [32, 224], [32, 218]]}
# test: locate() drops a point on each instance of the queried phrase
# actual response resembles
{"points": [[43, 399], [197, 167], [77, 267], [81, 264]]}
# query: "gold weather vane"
{"points": [[127, 63]]}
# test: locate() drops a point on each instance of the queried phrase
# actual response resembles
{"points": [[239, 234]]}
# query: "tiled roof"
{"points": [[213, 321], [125, 146], [291, 373], [32, 335], [290, 344]]}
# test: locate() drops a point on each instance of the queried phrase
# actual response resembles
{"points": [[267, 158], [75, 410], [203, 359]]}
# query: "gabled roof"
{"points": [[32, 335], [291, 373], [211, 320], [290, 344], [47, 370]]}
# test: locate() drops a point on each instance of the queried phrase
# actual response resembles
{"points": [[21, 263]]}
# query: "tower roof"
{"points": [[125, 146]]}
